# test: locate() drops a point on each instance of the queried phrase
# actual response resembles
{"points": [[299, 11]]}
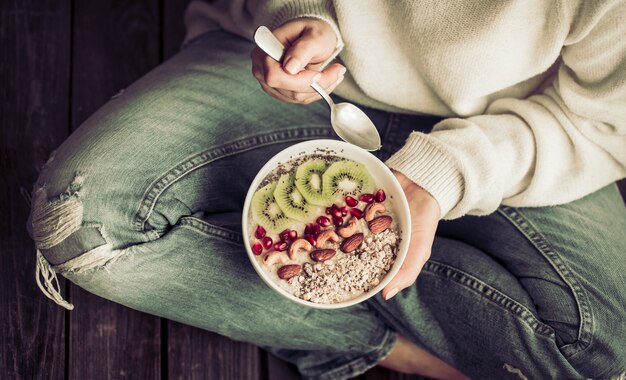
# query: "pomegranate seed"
{"points": [[316, 230], [267, 242], [311, 240], [260, 232], [284, 236], [329, 210], [356, 213], [293, 235], [337, 213], [307, 230], [281, 246], [257, 248], [380, 196], [369, 198], [323, 221], [338, 221], [351, 201], [344, 210]]}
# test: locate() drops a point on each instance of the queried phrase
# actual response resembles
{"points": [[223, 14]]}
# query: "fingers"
{"points": [[298, 97], [294, 88], [308, 42]]}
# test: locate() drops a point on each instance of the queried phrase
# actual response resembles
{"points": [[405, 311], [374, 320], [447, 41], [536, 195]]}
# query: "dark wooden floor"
{"points": [[59, 61]]}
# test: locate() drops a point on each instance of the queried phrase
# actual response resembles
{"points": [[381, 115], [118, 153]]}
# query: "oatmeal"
{"points": [[322, 228]]}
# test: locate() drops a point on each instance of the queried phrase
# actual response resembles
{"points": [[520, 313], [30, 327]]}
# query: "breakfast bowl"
{"points": [[326, 224]]}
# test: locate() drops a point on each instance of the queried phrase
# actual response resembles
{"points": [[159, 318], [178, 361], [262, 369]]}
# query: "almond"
{"points": [[288, 271], [352, 243], [378, 225], [322, 255]]}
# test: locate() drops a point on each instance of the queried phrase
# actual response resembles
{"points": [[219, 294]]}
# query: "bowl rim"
{"points": [[342, 147]]}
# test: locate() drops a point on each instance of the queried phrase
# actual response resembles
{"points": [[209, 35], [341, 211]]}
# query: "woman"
{"points": [[516, 262]]}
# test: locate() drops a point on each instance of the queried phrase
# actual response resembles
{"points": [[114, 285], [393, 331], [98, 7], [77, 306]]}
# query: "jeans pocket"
{"points": [[564, 308]]}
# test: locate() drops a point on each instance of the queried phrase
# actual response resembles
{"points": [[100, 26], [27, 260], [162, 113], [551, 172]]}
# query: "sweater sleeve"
{"points": [[550, 148], [242, 17]]}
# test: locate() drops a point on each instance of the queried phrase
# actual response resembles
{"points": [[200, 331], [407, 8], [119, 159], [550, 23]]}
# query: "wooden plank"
{"points": [[173, 26], [115, 42], [198, 354], [34, 104], [109, 341]]}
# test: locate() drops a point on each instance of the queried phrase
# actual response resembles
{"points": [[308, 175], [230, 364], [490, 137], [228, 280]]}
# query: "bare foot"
{"points": [[407, 358]]}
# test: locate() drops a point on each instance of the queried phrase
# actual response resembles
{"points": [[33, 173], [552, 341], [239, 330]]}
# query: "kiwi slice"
{"points": [[346, 178], [266, 212], [309, 182], [291, 201]]}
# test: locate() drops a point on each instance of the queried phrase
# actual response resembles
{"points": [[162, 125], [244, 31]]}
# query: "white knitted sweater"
{"points": [[534, 91]]}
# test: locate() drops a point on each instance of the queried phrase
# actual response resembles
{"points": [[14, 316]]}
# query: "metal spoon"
{"points": [[348, 121]]}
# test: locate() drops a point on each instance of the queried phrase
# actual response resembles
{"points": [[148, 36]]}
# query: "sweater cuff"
{"points": [[318, 9], [421, 160]]}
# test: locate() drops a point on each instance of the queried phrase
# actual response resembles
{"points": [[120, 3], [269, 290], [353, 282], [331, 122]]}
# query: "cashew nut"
{"points": [[349, 229], [372, 209], [298, 245], [325, 236], [275, 257]]}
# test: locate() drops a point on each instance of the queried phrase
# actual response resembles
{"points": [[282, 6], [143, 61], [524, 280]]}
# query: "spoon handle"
{"points": [[320, 90], [266, 40]]}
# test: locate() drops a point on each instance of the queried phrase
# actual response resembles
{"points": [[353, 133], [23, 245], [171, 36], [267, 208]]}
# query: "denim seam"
{"points": [[211, 229], [585, 337], [362, 364], [490, 293], [153, 192]]}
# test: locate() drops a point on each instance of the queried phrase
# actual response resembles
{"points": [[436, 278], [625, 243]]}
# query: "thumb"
{"points": [[419, 251], [410, 269]]}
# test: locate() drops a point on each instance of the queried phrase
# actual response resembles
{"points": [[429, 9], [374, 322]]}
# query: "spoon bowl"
{"points": [[349, 122], [353, 126]]}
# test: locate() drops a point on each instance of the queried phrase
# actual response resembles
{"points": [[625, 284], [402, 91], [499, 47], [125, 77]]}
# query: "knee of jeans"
{"points": [[64, 241], [57, 226]]}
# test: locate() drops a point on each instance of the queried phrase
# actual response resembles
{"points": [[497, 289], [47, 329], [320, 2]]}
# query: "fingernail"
{"points": [[315, 78], [391, 293], [338, 81], [292, 65], [342, 71]]}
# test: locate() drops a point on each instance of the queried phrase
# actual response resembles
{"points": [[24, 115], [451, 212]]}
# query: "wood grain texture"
{"points": [[199, 354], [110, 341], [114, 43], [34, 95]]}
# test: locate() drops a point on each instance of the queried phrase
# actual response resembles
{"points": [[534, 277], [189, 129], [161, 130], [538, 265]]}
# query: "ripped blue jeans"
{"points": [[142, 206]]}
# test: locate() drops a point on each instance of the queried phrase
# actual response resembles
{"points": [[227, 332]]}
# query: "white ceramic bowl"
{"points": [[382, 176]]}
